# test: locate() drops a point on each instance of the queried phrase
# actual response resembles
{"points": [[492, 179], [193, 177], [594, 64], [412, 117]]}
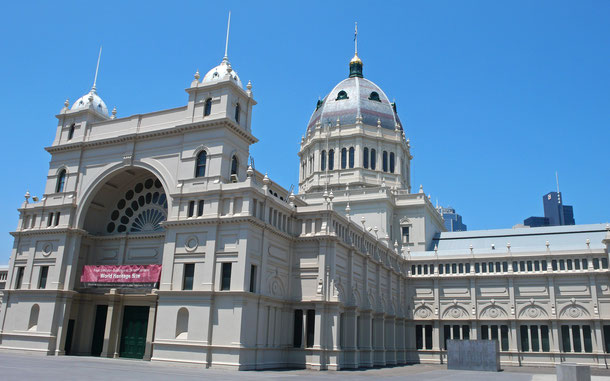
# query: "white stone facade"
{"points": [[355, 271]]}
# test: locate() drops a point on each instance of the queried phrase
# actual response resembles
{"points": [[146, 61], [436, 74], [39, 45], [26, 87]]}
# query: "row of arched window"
{"points": [[369, 160], [201, 162]]}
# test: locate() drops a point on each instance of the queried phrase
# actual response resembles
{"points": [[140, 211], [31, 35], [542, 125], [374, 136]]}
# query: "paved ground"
{"points": [[29, 367]]}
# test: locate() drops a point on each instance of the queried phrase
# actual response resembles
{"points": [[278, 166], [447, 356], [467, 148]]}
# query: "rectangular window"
{"points": [[405, 234], [467, 268], [42, 281], [525, 345], [50, 220], [477, 268], [419, 337], [225, 276], [577, 264], [505, 267], [491, 267], [484, 332], [569, 264], [596, 263], [188, 276], [515, 268], [562, 265], [297, 336], [536, 265], [529, 266], [425, 269], [311, 325], [57, 218], [586, 336], [461, 268], [191, 209], [576, 338], [484, 267], [554, 264], [585, 264], [446, 334], [544, 266], [19, 280], [607, 338], [565, 338], [521, 265], [504, 337], [200, 208], [454, 268], [604, 263], [447, 268], [428, 336], [252, 278], [440, 269], [544, 338], [456, 332], [412, 269], [535, 338], [497, 267], [465, 332]]}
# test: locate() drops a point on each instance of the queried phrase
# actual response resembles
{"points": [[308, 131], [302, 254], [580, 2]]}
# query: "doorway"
{"points": [[99, 327], [133, 331]]}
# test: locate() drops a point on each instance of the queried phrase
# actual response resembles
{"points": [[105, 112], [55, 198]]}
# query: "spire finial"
{"points": [[356, 38], [97, 68], [227, 40]]}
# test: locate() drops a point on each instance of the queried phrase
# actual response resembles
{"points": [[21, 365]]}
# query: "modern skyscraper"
{"points": [[555, 213], [453, 221]]}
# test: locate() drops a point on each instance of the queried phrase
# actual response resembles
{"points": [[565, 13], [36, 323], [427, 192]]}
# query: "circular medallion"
{"points": [[455, 313], [47, 249], [191, 244], [423, 313], [532, 312], [574, 312], [493, 312]]}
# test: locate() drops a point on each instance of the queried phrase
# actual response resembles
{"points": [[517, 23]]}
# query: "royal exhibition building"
{"points": [[156, 238]]}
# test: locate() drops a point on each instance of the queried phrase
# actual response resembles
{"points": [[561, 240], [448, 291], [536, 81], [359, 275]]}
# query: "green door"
{"points": [[133, 332]]}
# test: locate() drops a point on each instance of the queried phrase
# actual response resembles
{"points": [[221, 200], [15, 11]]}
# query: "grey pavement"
{"points": [[31, 367]]}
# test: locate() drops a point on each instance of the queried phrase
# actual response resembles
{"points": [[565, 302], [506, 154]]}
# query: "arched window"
{"points": [[61, 181], [351, 157], [323, 161], [392, 162], [365, 158], [234, 165], [342, 95], [343, 158], [331, 159], [182, 324], [384, 163], [34, 313], [208, 107], [373, 158], [237, 112], [374, 96], [202, 158], [71, 131]]}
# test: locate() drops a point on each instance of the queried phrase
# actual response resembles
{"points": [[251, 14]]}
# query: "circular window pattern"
{"points": [[141, 210]]}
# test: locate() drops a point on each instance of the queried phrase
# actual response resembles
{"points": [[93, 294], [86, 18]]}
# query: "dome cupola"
{"points": [[91, 100]]}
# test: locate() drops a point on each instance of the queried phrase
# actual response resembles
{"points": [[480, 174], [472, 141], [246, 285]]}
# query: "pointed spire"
{"points": [[226, 57], [97, 68], [355, 65]]}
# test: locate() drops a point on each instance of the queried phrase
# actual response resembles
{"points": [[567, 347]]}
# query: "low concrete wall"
{"points": [[573, 372], [473, 355]]}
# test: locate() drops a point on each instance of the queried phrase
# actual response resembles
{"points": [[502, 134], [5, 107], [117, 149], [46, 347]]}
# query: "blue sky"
{"points": [[495, 96]]}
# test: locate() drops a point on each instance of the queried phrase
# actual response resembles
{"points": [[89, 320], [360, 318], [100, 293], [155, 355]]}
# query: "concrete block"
{"points": [[473, 355], [573, 372]]}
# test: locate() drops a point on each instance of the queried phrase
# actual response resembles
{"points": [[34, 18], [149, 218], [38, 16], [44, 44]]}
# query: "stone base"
{"points": [[573, 372]]}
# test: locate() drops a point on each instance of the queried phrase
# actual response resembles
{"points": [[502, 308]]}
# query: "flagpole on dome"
{"points": [[97, 68], [355, 65], [226, 57]]}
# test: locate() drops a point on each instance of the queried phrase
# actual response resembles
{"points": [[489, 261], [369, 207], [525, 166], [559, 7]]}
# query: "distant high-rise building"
{"points": [[555, 213], [453, 221]]}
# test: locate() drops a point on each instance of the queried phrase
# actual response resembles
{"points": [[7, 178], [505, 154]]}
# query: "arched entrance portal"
{"points": [[124, 240]]}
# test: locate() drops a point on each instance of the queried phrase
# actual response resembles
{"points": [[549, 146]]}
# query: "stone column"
{"points": [[366, 345], [112, 329], [400, 341], [152, 314], [378, 345], [350, 337], [390, 340]]}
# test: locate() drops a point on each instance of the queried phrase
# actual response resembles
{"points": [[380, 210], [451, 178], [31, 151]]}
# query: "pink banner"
{"points": [[121, 276]]}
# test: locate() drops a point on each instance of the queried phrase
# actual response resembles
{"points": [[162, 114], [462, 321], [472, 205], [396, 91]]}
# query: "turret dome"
{"points": [[91, 100], [222, 71], [355, 98]]}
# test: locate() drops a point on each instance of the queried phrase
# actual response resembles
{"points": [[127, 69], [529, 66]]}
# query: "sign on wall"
{"points": [[132, 276]]}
